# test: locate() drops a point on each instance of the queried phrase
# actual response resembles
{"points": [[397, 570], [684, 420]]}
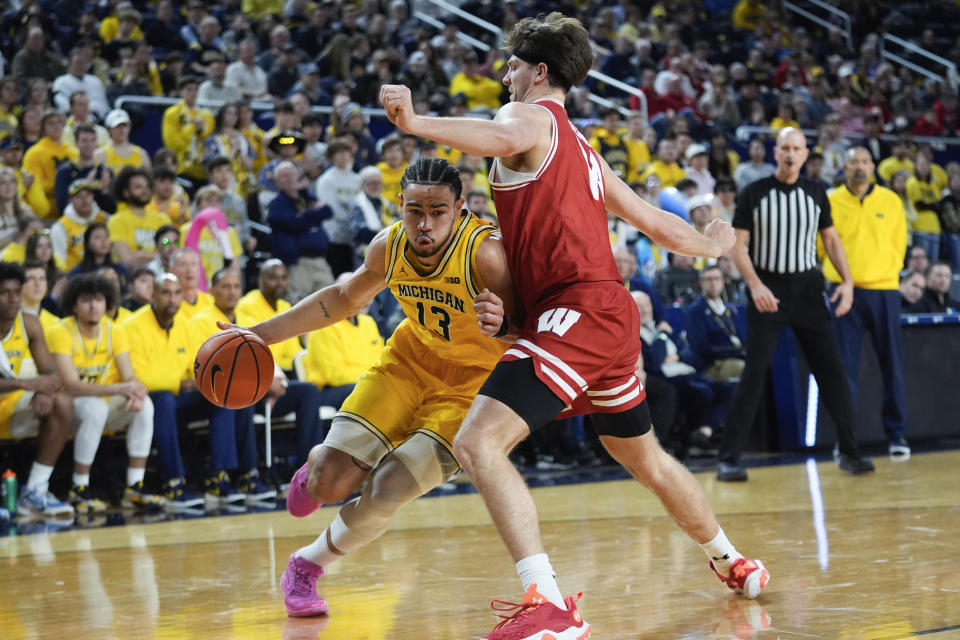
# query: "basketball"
{"points": [[233, 368]]}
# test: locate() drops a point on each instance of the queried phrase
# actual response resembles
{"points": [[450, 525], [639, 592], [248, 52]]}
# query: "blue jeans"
{"points": [[226, 428], [929, 241], [953, 242]]}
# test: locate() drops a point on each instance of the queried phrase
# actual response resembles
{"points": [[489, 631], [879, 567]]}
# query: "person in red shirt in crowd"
{"points": [[945, 110]]}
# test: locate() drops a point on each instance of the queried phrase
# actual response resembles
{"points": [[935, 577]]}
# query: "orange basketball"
{"points": [[234, 368]]}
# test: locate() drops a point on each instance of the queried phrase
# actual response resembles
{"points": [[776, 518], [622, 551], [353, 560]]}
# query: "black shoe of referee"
{"points": [[855, 464]]}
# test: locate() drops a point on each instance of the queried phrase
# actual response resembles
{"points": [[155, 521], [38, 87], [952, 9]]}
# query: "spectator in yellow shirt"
{"points": [[480, 90], [132, 227], [666, 166], [43, 158], [216, 251], [747, 14], [391, 168], [259, 305], [638, 151], [185, 127], [29, 190], [168, 197], [899, 161], [185, 264], [924, 193]]}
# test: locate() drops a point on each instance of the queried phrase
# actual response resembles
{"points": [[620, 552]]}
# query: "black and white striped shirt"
{"points": [[783, 221]]}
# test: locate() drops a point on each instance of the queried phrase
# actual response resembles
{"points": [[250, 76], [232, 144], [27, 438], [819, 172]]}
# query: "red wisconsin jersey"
{"points": [[554, 222]]}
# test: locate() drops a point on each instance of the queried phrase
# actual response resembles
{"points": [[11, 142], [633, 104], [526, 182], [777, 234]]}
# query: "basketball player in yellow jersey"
{"points": [[30, 405], [92, 356], [449, 272]]}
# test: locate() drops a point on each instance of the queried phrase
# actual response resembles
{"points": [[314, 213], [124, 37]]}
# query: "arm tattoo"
{"points": [[326, 314]]}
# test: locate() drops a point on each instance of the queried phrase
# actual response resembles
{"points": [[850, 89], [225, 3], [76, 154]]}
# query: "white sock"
{"points": [[39, 477], [722, 552], [81, 479], [320, 551], [135, 475], [536, 570]]}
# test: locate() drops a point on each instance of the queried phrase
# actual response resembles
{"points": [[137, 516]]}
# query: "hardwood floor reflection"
{"points": [[850, 557]]}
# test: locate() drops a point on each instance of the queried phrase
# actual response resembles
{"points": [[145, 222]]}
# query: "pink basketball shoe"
{"points": [[299, 587], [299, 502]]}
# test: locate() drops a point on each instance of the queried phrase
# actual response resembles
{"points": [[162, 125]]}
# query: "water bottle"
{"points": [[9, 487]]}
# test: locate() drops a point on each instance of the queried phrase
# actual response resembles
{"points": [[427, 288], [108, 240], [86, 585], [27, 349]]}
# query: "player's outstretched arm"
{"points": [[331, 304], [513, 131], [667, 230]]}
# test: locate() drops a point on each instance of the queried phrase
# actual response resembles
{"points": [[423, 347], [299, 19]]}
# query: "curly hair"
{"points": [[87, 284], [12, 271]]}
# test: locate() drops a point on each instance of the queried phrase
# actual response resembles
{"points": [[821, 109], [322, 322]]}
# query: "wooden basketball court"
{"points": [[869, 557]]}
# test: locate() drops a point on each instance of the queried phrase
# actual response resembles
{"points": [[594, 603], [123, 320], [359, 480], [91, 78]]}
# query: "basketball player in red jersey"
{"points": [[580, 340]]}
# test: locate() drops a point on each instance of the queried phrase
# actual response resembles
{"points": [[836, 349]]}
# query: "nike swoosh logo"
{"points": [[213, 381]]}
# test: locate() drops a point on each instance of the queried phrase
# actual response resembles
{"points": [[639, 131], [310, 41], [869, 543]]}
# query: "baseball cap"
{"points": [[695, 150], [417, 57], [351, 109], [83, 185], [116, 117], [10, 142], [699, 201]]}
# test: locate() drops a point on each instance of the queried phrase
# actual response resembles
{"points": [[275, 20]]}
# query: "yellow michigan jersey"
{"points": [[17, 348], [92, 358], [436, 360]]}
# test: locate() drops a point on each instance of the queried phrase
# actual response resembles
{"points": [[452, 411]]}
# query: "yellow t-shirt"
{"points": [[669, 175], [341, 353], [922, 193], [254, 308], [42, 160], [150, 344], [94, 358], [481, 91], [888, 167], [439, 303], [391, 182], [210, 253], [175, 210], [136, 231], [638, 158]]}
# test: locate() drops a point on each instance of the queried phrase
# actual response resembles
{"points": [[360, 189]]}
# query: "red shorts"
{"points": [[585, 344]]}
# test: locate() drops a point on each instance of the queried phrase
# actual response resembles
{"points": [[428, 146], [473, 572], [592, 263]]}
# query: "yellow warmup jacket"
{"points": [[342, 352], [151, 344], [254, 308], [874, 236]]}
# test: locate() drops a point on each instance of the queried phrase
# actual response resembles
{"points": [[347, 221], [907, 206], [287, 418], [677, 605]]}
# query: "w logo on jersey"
{"points": [[557, 320]]}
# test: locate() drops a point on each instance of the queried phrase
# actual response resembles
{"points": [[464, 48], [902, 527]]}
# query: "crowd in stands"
{"points": [[140, 251]]}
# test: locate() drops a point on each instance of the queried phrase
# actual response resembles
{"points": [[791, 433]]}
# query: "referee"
{"points": [[776, 221]]}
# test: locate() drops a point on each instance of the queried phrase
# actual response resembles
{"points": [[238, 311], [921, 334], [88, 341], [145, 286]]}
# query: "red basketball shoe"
{"points": [[746, 577], [539, 619]]}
